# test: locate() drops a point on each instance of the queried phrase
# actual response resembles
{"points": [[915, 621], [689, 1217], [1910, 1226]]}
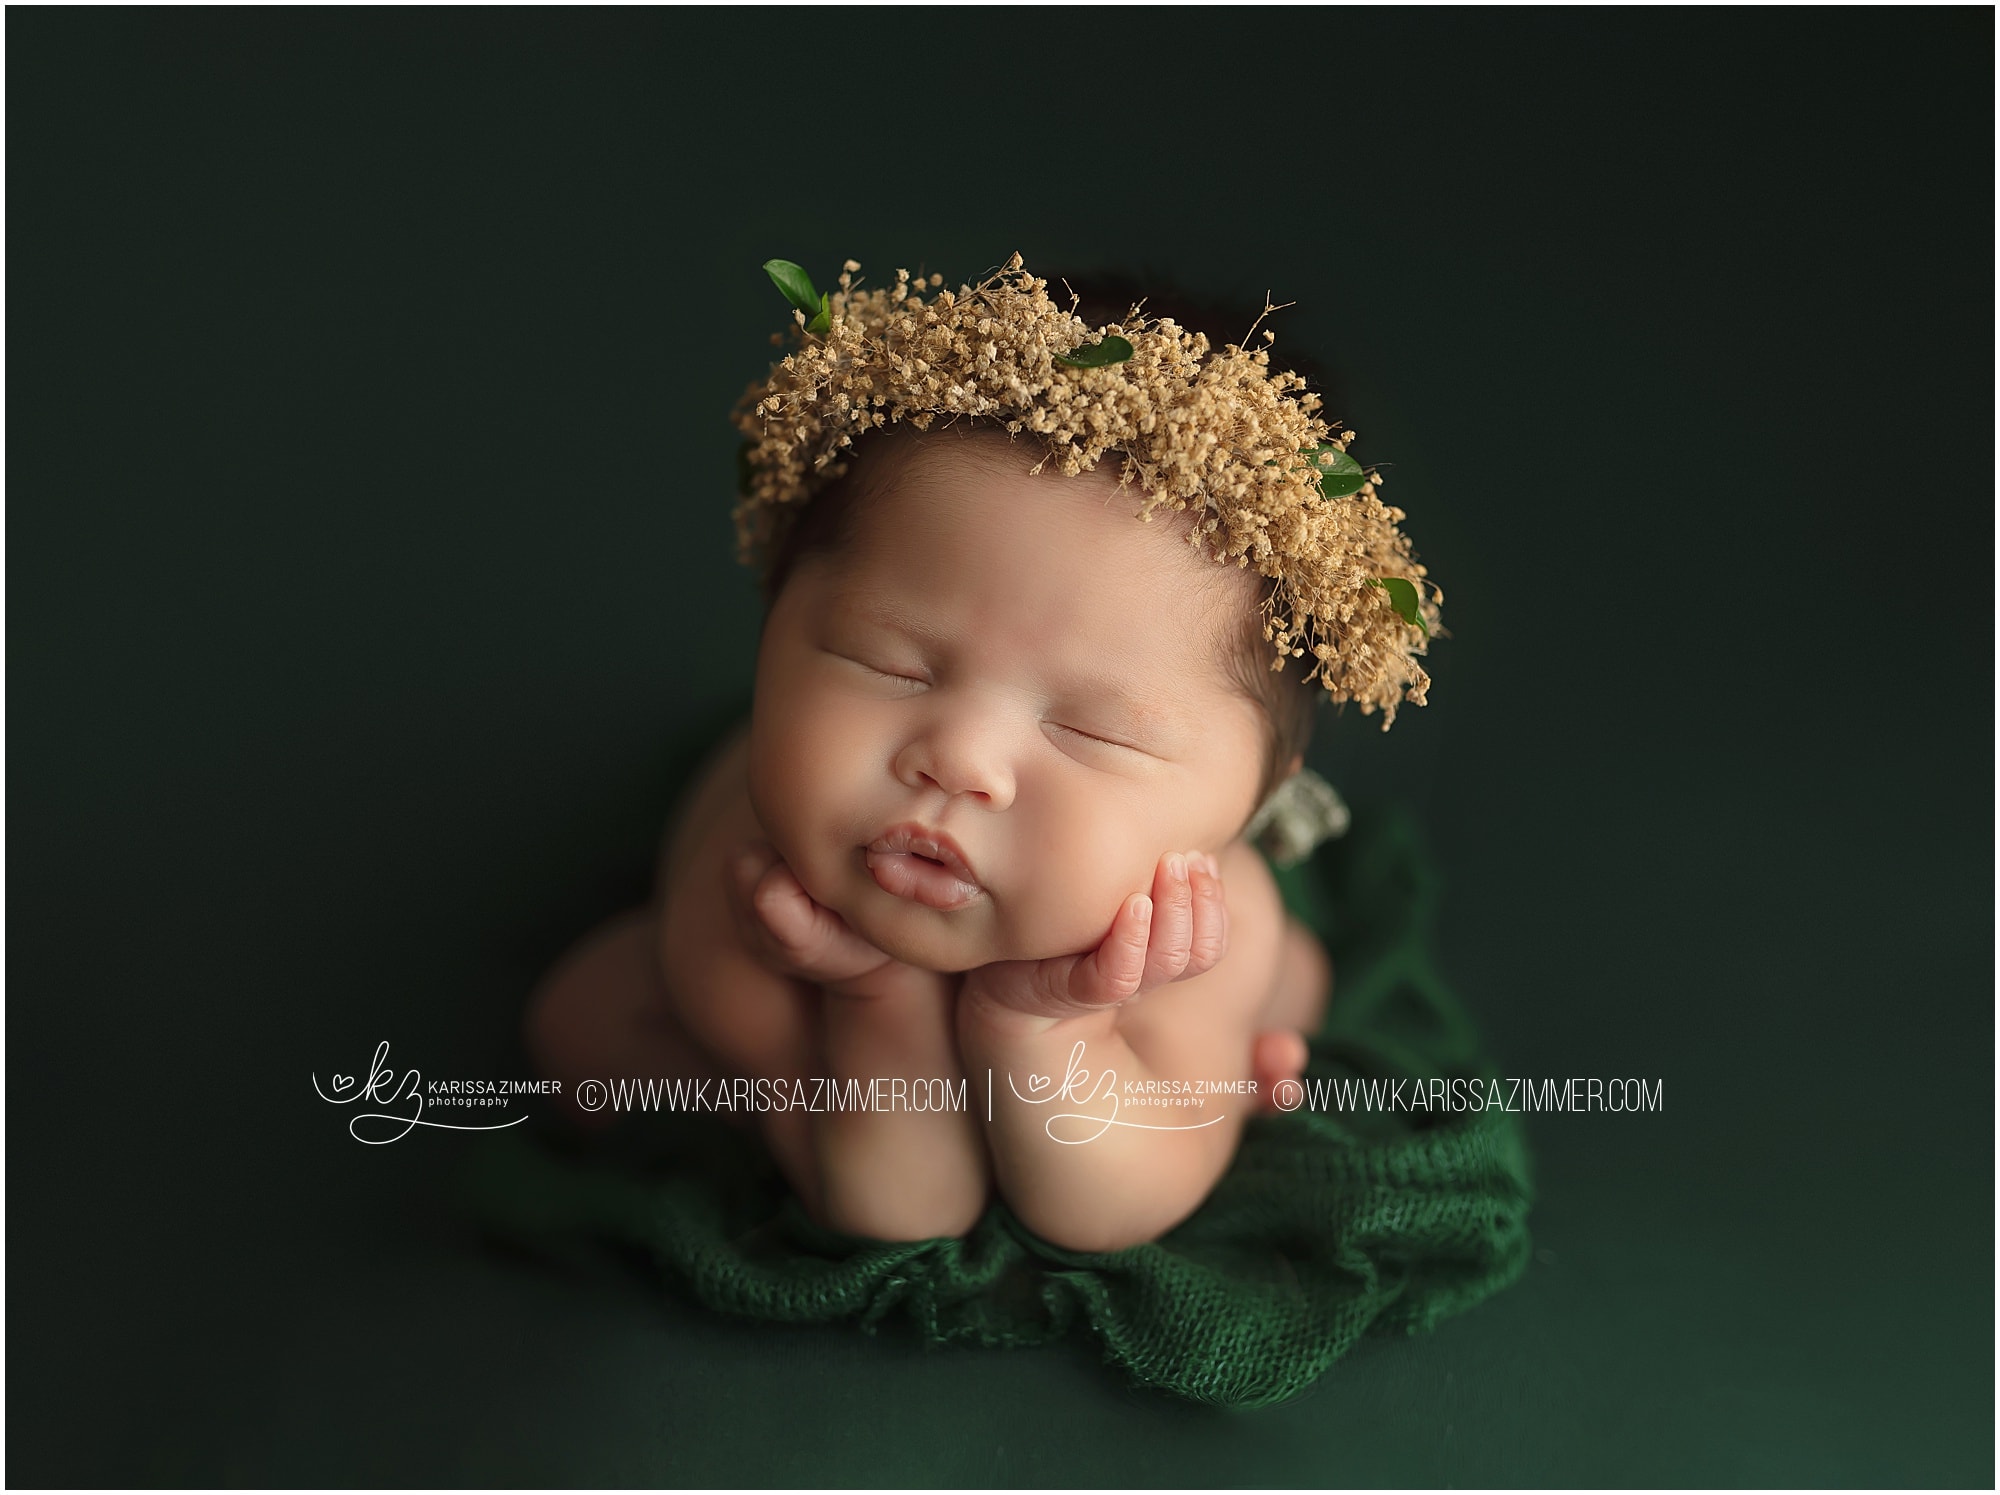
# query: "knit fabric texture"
{"points": [[1332, 1223]]}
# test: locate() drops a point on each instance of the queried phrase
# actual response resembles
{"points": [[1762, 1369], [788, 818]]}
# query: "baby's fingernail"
{"points": [[1214, 867], [1142, 908], [1177, 867]]}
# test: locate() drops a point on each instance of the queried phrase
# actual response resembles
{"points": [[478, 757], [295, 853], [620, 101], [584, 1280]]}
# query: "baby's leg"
{"points": [[601, 1013]]}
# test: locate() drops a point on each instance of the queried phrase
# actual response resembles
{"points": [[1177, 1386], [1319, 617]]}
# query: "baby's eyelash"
{"points": [[1092, 736], [884, 674]]}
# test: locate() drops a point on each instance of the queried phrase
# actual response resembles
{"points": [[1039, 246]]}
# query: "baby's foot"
{"points": [[1276, 1056]]}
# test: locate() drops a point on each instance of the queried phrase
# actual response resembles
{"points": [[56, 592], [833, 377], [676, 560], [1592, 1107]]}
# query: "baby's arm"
{"points": [[892, 1174], [1209, 967]]}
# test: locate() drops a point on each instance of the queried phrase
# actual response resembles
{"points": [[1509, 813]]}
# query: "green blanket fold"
{"points": [[1331, 1223]]}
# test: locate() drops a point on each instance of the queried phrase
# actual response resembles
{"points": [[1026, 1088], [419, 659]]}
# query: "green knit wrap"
{"points": [[1330, 1224]]}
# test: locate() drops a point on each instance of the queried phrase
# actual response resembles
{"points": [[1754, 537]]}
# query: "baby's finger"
{"points": [[1211, 920], [788, 913], [1114, 970], [796, 934], [814, 940], [746, 870], [1173, 923]]}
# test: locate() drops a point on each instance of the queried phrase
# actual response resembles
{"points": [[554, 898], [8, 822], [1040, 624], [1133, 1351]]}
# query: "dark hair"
{"points": [[1287, 701]]}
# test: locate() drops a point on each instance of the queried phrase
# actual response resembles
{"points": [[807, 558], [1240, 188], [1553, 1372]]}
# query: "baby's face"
{"points": [[982, 719]]}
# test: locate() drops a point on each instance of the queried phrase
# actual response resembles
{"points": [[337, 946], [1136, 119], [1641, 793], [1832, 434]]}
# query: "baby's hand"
{"points": [[1178, 932], [785, 929]]}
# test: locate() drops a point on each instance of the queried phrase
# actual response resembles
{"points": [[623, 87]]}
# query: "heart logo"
{"points": [[1039, 1082], [341, 1082]]}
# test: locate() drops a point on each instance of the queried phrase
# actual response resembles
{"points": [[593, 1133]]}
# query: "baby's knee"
{"points": [[581, 1018], [589, 976]]}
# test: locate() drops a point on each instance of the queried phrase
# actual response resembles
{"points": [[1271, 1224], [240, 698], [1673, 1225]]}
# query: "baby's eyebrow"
{"points": [[896, 620]]}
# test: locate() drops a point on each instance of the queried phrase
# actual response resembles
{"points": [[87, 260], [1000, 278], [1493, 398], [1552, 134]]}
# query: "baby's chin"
{"points": [[932, 940], [925, 938]]}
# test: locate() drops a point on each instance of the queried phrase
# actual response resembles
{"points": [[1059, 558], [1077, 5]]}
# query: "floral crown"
{"points": [[1270, 482]]}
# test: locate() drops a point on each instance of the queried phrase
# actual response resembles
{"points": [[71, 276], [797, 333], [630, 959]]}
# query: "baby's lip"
{"points": [[913, 861]]}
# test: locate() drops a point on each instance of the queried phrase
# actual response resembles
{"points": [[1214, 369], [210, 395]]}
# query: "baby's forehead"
{"points": [[904, 455], [904, 462], [1123, 594]]}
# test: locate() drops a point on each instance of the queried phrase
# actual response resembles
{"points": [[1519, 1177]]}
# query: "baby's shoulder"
{"points": [[713, 818], [713, 809], [748, 1018]]}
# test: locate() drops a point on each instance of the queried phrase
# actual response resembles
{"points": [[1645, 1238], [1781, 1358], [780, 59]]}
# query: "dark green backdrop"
{"points": [[368, 491]]}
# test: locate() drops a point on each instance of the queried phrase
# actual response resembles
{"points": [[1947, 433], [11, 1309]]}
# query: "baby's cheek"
{"points": [[1080, 870], [831, 789], [790, 789]]}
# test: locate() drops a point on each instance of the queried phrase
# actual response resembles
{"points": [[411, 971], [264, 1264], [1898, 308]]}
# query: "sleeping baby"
{"points": [[1014, 709]]}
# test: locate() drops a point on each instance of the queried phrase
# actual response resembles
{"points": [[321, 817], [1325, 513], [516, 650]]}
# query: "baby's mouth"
{"points": [[924, 866]]}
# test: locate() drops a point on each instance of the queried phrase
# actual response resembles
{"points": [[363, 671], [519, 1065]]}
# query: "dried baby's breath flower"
{"points": [[1213, 431]]}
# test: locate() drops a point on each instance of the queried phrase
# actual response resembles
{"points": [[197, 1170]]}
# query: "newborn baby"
{"points": [[987, 816]]}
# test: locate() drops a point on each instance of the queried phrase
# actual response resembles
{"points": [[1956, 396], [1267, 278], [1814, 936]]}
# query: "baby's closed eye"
{"points": [[884, 669], [1097, 743]]}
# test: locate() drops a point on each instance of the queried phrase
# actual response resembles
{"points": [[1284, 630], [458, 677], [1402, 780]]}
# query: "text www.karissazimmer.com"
{"points": [[884, 1093]]}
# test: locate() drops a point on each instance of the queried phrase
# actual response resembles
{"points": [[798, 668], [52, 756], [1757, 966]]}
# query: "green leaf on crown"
{"points": [[1098, 355], [1402, 597], [1339, 474], [798, 289]]}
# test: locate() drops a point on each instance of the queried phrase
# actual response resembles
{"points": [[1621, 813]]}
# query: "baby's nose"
{"points": [[958, 758]]}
